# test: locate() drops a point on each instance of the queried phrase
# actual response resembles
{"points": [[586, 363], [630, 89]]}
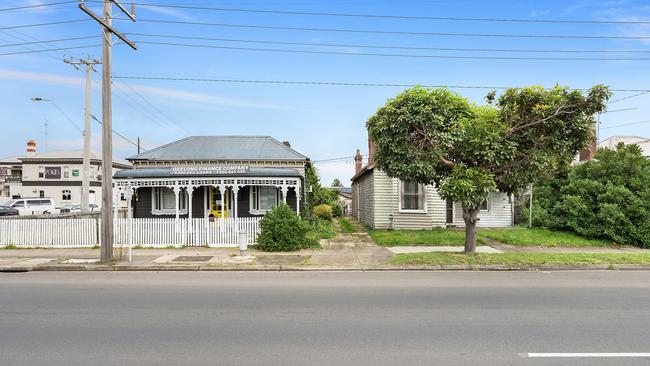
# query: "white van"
{"points": [[33, 206]]}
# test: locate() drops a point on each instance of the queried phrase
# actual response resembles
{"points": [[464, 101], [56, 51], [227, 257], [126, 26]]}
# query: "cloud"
{"points": [[201, 99], [173, 13]]}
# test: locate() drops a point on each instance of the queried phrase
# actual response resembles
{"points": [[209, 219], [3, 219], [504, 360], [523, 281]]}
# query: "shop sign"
{"points": [[210, 170], [52, 172]]}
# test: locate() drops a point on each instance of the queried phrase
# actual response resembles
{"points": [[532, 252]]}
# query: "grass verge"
{"points": [[346, 226], [519, 259], [521, 236], [433, 237]]}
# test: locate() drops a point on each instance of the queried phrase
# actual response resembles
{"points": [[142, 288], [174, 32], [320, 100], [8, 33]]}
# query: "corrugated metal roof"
{"points": [[167, 172], [222, 148]]}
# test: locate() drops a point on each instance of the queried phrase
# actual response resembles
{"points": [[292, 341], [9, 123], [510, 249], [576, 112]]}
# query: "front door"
{"points": [[221, 204]]}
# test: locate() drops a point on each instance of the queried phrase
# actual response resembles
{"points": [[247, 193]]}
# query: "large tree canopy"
{"points": [[437, 136]]}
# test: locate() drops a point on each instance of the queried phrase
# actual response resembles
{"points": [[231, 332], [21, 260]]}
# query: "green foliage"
{"points": [[323, 211], [283, 230], [321, 229], [608, 197], [437, 136], [319, 195]]}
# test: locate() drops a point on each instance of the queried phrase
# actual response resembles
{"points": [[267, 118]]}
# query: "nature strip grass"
{"points": [[521, 236], [519, 259]]}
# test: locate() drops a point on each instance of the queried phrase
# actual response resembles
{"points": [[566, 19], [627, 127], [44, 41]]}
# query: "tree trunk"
{"points": [[470, 216]]}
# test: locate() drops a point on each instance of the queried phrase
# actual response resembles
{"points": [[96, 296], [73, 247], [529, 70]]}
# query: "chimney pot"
{"points": [[358, 162], [31, 148]]}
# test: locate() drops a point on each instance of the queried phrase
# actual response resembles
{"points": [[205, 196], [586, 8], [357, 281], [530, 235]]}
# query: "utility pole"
{"points": [[107, 125], [85, 174]]}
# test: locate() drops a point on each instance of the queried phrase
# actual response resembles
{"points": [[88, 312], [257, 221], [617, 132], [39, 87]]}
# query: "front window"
{"points": [[66, 195], [263, 198], [163, 201], [412, 196]]}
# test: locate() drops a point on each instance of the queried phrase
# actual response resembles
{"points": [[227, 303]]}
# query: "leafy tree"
{"points": [[608, 197], [316, 193], [337, 183], [435, 136]]}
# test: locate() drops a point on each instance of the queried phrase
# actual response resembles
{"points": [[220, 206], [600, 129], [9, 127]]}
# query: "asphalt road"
{"points": [[312, 318]]}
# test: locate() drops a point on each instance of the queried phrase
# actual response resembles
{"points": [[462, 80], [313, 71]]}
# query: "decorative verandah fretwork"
{"points": [[128, 186]]}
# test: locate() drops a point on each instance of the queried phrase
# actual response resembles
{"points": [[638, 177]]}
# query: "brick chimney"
{"points": [[358, 162], [372, 147], [31, 148], [588, 153]]}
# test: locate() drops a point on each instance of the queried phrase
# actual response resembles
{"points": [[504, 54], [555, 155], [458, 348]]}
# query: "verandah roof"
{"points": [[168, 172]]}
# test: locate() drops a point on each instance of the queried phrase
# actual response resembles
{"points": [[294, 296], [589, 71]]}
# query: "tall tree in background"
{"points": [[435, 136], [337, 183]]}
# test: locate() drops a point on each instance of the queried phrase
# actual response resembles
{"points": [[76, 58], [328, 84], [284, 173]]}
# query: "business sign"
{"points": [[75, 172], [210, 170], [4, 172], [12, 179], [52, 172]]}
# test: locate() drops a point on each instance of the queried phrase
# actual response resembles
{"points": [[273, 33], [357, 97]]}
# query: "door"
{"points": [[91, 198], [221, 204]]}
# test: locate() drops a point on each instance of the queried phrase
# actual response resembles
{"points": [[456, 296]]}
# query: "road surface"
{"points": [[324, 318]]}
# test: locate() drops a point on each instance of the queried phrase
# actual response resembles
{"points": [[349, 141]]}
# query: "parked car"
{"points": [[77, 208], [33, 206], [8, 211]]}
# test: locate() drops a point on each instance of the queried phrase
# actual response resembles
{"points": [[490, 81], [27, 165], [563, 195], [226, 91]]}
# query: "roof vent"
{"points": [[286, 143]]}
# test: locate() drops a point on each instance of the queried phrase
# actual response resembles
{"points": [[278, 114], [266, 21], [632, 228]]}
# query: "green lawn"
{"points": [[522, 236], [433, 237], [346, 226], [519, 259]]}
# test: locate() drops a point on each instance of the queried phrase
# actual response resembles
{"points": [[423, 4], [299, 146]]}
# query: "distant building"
{"points": [[53, 174], [344, 198], [611, 142]]}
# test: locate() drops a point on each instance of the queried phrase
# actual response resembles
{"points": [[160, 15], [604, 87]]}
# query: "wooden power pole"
{"points": [[89, 65], [107, 125]]}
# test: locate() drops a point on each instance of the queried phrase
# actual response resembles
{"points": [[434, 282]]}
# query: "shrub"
{"points": [[323, 211], [608, 198], [283, 230], [337, 209]]}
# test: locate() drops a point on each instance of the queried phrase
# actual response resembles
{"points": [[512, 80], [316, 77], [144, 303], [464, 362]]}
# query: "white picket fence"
{"points": [[155, 232]]}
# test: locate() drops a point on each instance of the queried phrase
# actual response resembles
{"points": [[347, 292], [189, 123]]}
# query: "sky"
{"points": [[321, 121]]}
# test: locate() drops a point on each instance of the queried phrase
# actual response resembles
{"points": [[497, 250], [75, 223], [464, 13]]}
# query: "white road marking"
{"points": [[588, 355]]}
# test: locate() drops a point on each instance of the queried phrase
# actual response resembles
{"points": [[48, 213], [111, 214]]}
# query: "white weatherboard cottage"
{"points": [[382, 202]]}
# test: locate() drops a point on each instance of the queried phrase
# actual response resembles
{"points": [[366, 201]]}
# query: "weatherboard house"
{"points": [[213, 177], [382, 202]]}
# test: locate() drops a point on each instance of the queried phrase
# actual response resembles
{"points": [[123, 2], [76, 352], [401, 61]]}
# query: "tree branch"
{"points": [[557, 112], [427, 142]]}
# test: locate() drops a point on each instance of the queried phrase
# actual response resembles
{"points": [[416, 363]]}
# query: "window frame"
{"points": [[66, 195], [157, 199], [254, 201], [409, 210], [488, 204]]}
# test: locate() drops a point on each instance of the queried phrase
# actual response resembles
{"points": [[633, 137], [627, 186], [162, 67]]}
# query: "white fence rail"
{"points": [[155, 232]]}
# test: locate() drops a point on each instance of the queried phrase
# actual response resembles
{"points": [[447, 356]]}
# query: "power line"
{"points": [[336, 159], [376, 31], [399, 55], [629, 97], [37, 5], [385, 16], [48, 41], [384, 46], [48, 50], [45, 24], [333, 83], [625, 124], [119, 134]]}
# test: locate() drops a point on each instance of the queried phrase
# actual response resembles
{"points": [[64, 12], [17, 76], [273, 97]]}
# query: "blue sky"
{"points": [[322, 122]]}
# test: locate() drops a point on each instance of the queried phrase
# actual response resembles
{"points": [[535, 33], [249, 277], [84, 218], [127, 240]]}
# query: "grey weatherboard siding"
{"points": [[376, 200]]}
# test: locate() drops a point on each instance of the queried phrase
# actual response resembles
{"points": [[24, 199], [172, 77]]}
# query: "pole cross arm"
{"points": [[107, 26], [123, 9]]}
